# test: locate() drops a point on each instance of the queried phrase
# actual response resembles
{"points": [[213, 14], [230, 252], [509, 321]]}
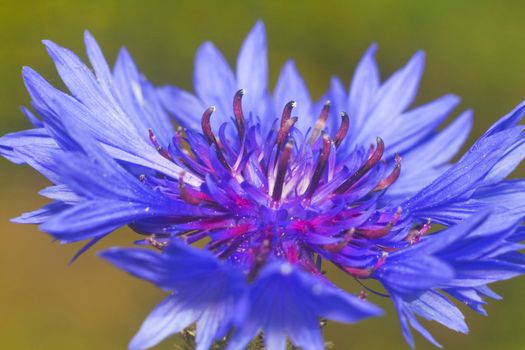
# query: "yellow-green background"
{"points": [[475, 49]]}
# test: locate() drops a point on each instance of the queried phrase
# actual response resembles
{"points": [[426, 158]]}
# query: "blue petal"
{"points": [[62, 112], [41, 215], [37, 123], [414, 275], [479, 253], [140, 100], [414, 126], [441, 148], [478, 273], [441, 241], [49, 102], [509, 194], [206, 291], [508, 121], [186, 108], [86, 247], [31, 138], [364, 87], [95, 218], [60, 193], [393, 97], [456, 184], [432, 306], [41, 158], [98, 62], [214, 82], [285, 302], [169, 317], [178, 267], [507, 164], [435, 307], [426, 162], [252, 67], [84, 86], [469, 297], [118, 200], [82, 170]]}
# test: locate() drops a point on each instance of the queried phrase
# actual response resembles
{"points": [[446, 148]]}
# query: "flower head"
{"points": [[277, 185]]}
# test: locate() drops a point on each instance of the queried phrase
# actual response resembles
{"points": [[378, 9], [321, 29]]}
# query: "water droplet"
{"points": [[286, 269]]}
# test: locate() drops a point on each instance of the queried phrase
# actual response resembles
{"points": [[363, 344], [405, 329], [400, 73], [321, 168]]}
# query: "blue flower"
{"points": [[278, 185]]}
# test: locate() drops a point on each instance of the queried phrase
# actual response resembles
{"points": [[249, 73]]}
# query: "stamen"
{"points": [[287, 112], [337, 247], [426, 227], [319, 169], [152, 240], [231, 246], [260, 259], [320, 123], [358, 272], [157, 145], [284, 130], [238, 113], [390, 179], [414, 235], [366, 272], [206, 124], [206, 129], [343, 129], [281, 171], [380, 232], [374, 158], [184, 192]]}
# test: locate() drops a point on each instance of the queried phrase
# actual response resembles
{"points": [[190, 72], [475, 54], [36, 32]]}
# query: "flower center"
{"points": [[283, 194]]}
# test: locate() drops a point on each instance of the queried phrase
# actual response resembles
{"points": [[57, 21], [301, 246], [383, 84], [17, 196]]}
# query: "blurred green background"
{"points": [[475, 49]]}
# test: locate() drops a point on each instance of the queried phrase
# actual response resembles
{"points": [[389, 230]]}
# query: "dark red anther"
{"points": [[343, 129], [187, 197], [365, 168], [157, 145], [358, 272], [287, 112], [365, 272], [415, 234], [222, 158], [281, 171], [206, 129], [261, 256], [320, 123], [152, 240], [319, 169], [390, 179], [206, 124], [237, 112], [284, 130], [362, 295], [374, 233], [426, 227], [337, 247]]}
